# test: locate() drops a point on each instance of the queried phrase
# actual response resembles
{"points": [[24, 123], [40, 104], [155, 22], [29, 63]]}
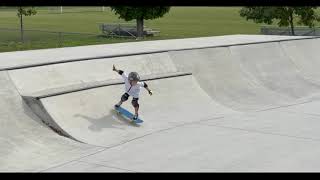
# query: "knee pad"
{"points": [[124, 97], [134, 102]]}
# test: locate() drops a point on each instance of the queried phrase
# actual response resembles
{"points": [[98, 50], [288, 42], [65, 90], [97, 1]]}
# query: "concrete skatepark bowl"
{"points": [[238, 103]]}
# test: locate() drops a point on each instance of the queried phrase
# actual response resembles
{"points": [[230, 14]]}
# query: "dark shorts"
{"points": [[134, 101]]}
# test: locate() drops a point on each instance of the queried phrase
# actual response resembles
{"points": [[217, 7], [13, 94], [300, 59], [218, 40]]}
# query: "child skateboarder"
{"points": [[132, 88]]}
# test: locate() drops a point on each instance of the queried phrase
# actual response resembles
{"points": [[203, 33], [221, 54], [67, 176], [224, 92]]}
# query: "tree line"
{"points": [[285, 15]]}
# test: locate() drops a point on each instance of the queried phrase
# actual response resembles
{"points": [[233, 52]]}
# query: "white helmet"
{"points": [[134, 76]]}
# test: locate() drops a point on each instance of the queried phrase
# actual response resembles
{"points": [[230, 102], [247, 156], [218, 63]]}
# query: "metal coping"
{"points": [[143, 53], [178, 74]]}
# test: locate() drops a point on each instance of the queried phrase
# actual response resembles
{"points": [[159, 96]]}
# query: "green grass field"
{"points": [[180, 22]]}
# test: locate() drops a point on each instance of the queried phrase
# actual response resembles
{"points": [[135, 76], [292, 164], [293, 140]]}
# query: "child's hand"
{"points": [[150, 92]]}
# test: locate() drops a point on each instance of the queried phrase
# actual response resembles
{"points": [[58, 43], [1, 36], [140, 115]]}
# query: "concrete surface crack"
{"points": [[162, 130], [261, 132], [284, 106], [107, 148], [113, 167]]}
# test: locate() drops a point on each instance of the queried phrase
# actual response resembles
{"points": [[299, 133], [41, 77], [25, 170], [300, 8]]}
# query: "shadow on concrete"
{"points": [[113, 120]]}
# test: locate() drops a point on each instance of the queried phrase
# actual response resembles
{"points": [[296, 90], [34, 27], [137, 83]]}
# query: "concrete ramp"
{"points": [[88, 115], [274, 69], [230, 103], [305, 55], [41, 78], [221, 75], [24, 59], [27, 144]]}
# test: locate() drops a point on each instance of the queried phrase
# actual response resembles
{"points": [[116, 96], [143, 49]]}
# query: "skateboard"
{"points": [[127, 114]]}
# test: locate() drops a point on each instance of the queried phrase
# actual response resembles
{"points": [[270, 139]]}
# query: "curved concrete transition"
{"points": [[220, 104]]}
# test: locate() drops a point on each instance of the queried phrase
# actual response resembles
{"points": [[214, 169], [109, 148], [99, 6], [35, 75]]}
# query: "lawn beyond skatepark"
{"points": [[180, 22], [78, 26]]}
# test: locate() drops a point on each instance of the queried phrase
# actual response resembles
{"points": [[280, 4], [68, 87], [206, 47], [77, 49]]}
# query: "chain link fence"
{"points": [[11, 39], [286, 31], [74, 9]]}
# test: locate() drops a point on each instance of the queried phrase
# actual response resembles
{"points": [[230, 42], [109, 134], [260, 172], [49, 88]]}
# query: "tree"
{"points": [[267, 14], [129, 13], [23, 11]]}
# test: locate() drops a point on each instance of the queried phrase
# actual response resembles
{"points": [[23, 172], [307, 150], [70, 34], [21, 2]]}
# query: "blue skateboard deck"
{"points": [[127, 114]]}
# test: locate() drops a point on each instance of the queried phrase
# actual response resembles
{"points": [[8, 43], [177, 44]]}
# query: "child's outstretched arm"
{"points": [[147, 88], [117, 70]]}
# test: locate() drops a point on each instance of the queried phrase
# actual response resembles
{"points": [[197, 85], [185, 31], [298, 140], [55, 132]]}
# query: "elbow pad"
{"points": [[145, 85]]}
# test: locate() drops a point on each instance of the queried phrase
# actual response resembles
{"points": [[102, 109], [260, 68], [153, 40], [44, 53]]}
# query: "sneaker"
{"points": [[135, 117]]}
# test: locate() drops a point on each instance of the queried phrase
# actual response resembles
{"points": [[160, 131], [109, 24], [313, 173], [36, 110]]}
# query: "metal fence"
{"points": [[9, 34], [9, 38], [74, 9], [125, 30], [299, 31]]}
